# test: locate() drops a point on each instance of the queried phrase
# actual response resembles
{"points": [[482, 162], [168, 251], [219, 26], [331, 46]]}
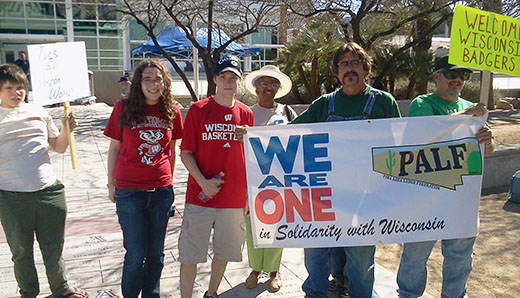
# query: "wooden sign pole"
{"points": [[70, 136]]}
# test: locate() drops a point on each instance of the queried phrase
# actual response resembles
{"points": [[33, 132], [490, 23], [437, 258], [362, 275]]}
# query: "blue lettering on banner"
{"points": [[265, 158], [288, 155], [310, 153]]}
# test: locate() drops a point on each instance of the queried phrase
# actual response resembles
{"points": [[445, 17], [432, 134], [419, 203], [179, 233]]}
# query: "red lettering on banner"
{"points": [[290, 203], [303, 208], [263, 196], [318, 204]]}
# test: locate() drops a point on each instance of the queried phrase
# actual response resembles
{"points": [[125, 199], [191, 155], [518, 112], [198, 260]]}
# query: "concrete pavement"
{"points": [[93, 246]]}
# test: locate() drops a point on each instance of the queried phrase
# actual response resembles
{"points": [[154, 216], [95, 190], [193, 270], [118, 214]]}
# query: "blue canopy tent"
{"points": [[174, 41]]}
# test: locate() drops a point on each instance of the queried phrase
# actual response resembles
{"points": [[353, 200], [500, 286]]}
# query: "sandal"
{"points": [[252, 279], [79, 293], [275, 282]]}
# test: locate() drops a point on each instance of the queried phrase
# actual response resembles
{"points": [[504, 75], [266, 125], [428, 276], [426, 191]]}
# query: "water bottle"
{"points": [[203, 197]]}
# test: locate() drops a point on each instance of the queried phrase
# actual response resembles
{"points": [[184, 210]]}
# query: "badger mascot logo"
{"points": [[151, 148]]}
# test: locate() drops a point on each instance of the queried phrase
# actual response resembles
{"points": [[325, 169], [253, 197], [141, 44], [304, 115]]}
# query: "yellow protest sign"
{"points": [[485, 40]]}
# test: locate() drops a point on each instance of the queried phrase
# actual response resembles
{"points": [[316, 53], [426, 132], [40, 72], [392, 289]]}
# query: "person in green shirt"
{"points": [[411, 277], [355, 100], [349, 101]]}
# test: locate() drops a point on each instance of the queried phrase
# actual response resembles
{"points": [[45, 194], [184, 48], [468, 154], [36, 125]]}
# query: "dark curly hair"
{"points": [[134, 106]]}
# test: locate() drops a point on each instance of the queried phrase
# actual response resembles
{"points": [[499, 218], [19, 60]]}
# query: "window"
{"points": [[39, 10], [41, 27], [13, 9], [16, 26], [82, 28]]}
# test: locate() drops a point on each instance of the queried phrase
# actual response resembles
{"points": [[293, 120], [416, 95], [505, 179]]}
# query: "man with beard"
{"points": [[411, 277], [355, 100]]}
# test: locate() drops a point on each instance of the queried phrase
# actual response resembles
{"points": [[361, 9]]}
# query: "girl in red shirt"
{"points": [[143, 130]]}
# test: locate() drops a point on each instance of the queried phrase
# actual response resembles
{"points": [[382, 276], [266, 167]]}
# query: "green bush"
{"points": [[470, 92], [245, 96]]}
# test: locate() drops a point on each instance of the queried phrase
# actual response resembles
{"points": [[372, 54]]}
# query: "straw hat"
{"points": [[269, 71]]}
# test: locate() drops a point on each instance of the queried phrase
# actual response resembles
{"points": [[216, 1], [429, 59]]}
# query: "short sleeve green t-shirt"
{"points": [[432, 104], [385, 106]]}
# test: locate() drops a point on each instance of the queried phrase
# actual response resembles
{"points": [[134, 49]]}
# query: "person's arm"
{"points": [[113, 152], [211, 186], [173, 154], [61, 142], [475, 110], [240, 131], [484, 135]]}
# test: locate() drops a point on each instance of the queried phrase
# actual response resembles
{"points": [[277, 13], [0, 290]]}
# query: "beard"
{"points": [[453, 93], [351, 77]]}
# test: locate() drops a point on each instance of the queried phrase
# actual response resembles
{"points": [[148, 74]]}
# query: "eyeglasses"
{"points": [[152, 81], [273, 85], [353, 63], [453, 74]]}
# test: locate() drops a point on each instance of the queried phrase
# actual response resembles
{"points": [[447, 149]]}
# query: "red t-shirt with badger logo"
{"points": [[143, 161], [209, 132]]}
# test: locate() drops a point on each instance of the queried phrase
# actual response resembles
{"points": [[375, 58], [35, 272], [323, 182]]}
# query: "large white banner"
{"points": [[363, 182], [59, 72]]}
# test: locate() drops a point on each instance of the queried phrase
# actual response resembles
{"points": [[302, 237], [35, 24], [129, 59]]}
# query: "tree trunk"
{"points": [[411, 83], [297, 94], [175, 66], [423, 24], [305, 82], [329, 81], [391, 85], [282, 29], [315, 87]]}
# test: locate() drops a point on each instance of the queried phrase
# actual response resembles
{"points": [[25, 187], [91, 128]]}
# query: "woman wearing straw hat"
{"points": [[268, 83]]}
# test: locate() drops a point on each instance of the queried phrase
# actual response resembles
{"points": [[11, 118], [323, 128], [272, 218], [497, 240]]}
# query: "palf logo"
{"points": [[442, 163], [228, 117]]}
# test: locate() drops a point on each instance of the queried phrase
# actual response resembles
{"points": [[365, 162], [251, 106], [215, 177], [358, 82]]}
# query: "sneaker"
{"points": [[343, 292], [333, 286], [252, 279], [206, 295]]}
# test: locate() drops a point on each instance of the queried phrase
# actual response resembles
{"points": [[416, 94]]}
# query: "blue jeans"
{"points": [[360, 270], [338, 260], [143, 217], [457, 264]]}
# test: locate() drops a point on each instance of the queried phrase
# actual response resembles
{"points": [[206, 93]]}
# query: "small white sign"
{"points": [[59, 72]]}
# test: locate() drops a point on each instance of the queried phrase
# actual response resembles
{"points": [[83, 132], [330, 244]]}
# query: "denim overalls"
{"points": [[360, 259], [366, 110]]}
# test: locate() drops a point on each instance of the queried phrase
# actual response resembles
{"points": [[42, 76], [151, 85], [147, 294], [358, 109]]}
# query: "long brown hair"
{"points": [[134, 106]]}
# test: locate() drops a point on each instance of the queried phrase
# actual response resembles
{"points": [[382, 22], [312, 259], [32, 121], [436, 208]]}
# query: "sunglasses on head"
{"points": [[452, 74]]}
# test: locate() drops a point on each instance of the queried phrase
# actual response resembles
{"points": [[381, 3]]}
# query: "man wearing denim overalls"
{"points": [[356, 100]]}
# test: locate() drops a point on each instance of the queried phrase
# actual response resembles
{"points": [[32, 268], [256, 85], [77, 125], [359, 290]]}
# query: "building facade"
{"points": [[108, 39], [24, 22]]}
